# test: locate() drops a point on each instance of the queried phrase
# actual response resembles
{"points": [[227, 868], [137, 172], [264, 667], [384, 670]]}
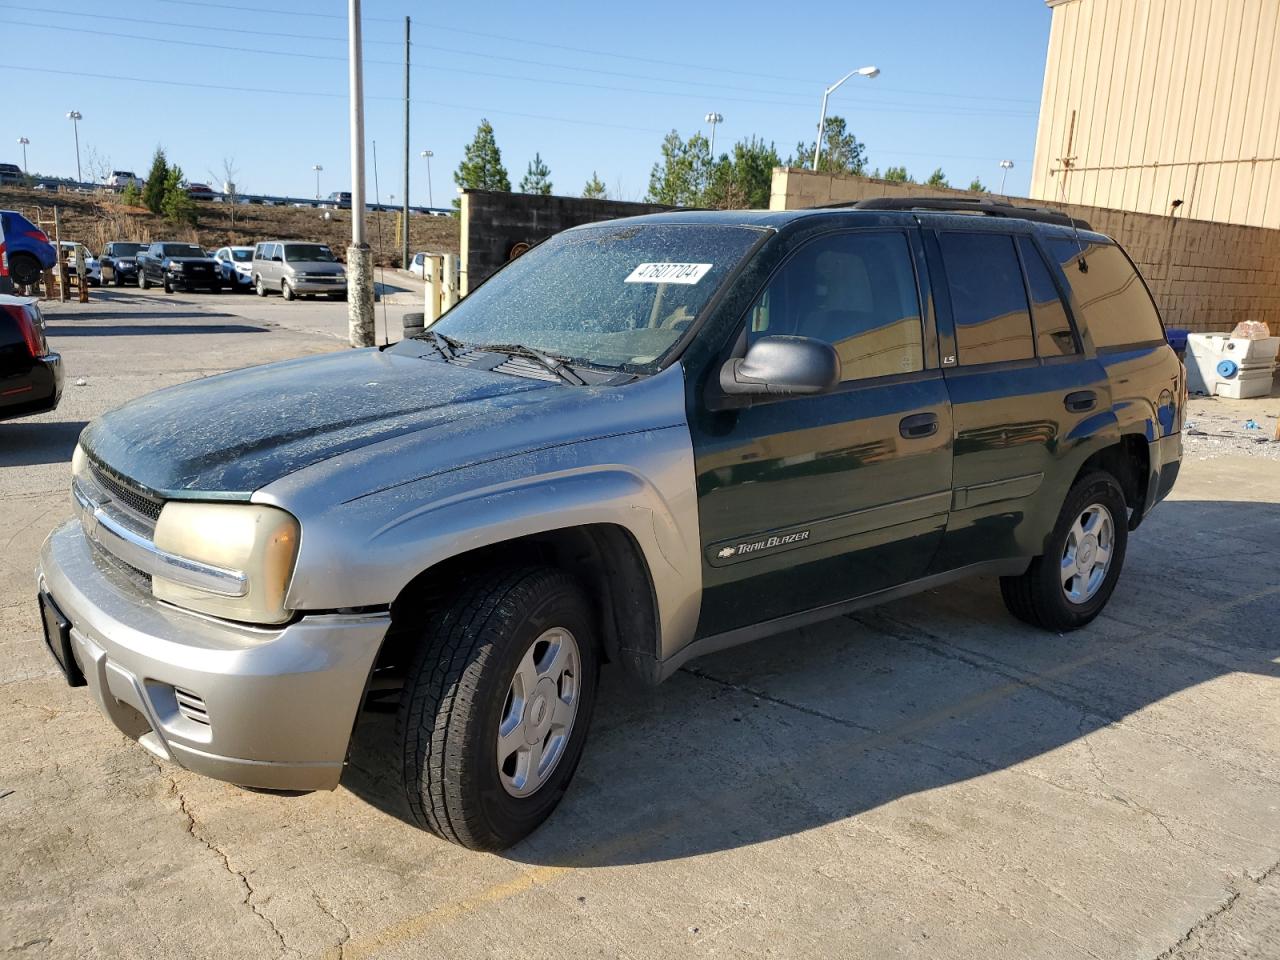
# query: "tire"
{"points": [[1050, 596], [286, 291], [117, 280], [259, 287], [24, 269], [143, 282], [168, 286], [467, 680]]}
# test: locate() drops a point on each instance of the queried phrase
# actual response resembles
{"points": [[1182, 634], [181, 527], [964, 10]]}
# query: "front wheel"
{"points": [[143, 282], [168, 285], [260, 287], [1068, 585], [286, 291], [494, 714]]}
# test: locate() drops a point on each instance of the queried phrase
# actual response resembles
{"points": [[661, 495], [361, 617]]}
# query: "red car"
{"points": [[30, 373]]}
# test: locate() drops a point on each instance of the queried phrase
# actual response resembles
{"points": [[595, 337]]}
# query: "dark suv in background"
{"points": [[119, 262]]}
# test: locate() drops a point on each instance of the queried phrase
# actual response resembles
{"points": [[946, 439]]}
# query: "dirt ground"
{"points": [[96, 220]]}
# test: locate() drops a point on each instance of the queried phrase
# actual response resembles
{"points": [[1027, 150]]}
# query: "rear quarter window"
{"points": [[1110, 298]]}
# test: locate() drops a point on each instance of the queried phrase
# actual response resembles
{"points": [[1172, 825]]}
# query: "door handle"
{"points": [[919, 425], [1080, 401]]}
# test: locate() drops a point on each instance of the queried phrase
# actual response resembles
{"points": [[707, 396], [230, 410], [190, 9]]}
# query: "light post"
{"points": [[713, 119], [24, 141], [427, 155], [1005, 166], [869, 72], [317, 168], [75, 117]]}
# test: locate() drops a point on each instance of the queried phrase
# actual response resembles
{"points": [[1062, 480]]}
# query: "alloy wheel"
{"points": [[539, 711], [1086, 557]]}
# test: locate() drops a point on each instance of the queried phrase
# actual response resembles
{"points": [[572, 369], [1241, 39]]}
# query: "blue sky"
{"points": [[591, 86]]}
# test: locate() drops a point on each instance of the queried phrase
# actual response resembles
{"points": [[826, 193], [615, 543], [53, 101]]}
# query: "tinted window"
{"points": [[988, 299], [1111, 297], [1054, 337], [181, 250], [855, 291], [307, 252]]}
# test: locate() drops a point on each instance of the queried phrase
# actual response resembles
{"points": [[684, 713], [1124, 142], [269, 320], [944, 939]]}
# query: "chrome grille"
{"points": [[191, 706], [115, 487]]}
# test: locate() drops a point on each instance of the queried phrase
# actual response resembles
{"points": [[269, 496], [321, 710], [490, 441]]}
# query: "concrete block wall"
{"points": [[1205, 276], [497, 227]]}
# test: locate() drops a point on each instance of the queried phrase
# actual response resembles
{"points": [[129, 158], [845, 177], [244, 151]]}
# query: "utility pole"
{"points": [[359, 257], [713, 119], [870, 73], [317, 168], [23, 141], [1005, 167], [404, 215], [426, 155], [75, 117]]}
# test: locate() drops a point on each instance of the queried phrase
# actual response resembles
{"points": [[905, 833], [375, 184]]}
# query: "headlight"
{"points": [[257, 541], [243, 268], [176, 267]]}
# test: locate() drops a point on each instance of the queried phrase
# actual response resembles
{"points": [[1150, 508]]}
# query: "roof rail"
{"points": [[983, 205]]}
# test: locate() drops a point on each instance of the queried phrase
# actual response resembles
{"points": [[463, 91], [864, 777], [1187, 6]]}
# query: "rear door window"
{"points": [[988, 299], [1054, 336], [1111, 298]]}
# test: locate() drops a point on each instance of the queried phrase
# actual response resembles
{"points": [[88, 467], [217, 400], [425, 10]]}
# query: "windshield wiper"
{"points": [[553, 364], [446, 346]]}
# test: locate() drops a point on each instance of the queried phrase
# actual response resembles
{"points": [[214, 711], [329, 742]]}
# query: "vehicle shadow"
{"points": [[28, 443], [82, 315], [815, 726], [148, 330]]}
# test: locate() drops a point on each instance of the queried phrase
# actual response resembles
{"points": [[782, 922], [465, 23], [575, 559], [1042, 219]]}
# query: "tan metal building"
{"points": [[1150, 102]]}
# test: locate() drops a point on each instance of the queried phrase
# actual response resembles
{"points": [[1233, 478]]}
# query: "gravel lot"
{"points": [[929, 779]]}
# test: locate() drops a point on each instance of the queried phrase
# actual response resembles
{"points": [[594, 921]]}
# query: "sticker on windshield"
{"points": [[689, 273]]}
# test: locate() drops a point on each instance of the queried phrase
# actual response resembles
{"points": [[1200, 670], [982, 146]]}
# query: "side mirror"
{"points": [[782, 367]]}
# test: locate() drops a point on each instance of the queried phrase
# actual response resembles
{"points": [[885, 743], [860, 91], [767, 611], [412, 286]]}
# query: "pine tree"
{"points": [[977, 186], [481, 167], [177, 205], [537, 178], [595, 188], [680, 178], [937, 179], [898, 175], [842, 152], [744, 179], [153, 191]]}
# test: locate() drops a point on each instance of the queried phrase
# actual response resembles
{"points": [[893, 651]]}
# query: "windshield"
{"points": [[242, 254], [302, 252], [181, 250], [617, 295], [126, 249]]}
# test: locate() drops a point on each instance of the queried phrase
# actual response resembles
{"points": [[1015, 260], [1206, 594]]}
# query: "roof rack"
{"points": [[982, 205]]}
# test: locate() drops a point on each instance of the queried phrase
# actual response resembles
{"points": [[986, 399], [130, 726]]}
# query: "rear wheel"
{"points": [[494, 714], [1070, 584], [24, 269]]}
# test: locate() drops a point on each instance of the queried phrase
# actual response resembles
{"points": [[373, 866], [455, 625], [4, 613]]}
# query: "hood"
{"points": [[229, 435]]}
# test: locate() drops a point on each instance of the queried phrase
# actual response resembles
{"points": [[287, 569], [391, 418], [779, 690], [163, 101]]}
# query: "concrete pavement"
{"points": [[929, 779]]}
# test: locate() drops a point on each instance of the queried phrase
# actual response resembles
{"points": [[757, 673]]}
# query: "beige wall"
{"points": [[1204, 276], [1150, 101]]}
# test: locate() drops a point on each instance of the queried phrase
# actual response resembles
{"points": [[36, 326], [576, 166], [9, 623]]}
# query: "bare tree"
{"points": [[97, 165], [230, 173]]}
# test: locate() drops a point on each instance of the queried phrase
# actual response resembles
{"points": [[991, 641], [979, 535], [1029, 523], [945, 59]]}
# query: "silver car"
{"points": [[296, 269]]}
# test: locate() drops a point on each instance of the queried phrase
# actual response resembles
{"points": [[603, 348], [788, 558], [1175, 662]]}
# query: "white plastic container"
{"points": [[1233, 367]]}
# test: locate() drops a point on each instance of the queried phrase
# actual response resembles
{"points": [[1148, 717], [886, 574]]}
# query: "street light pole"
{"points": [[24, 141], [359, 257], [869, 72], [713, 119], [1005, 166], [75, 117], [427, 155], [317, 168]]}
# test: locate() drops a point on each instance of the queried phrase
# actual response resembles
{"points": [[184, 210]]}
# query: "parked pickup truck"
{"points": [[178, 266], [119, 262], [642, 441]]}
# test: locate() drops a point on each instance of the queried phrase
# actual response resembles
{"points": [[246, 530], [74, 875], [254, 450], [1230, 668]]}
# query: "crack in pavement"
{"points": [[346, 928], [761, 695], [193, 828], [1211, 918]]}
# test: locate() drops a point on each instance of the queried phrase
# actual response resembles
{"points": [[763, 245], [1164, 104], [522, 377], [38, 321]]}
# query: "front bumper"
{"points": [[183, 281], [319, 284], [279, 703]]}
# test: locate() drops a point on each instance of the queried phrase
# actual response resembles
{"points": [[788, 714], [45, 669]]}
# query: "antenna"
{"points": [[1066, 162]]}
